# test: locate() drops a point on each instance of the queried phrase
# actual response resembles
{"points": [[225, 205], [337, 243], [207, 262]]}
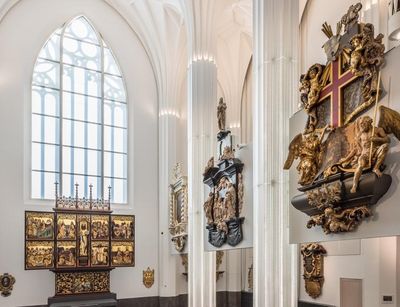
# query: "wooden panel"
{"points": [[350, 292]]}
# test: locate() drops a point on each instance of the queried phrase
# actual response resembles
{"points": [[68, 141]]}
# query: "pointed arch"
{"points": [[79, 115]]}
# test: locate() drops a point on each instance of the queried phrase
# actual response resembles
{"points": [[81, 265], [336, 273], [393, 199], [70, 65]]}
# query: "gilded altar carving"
{"points": [[313, 268], [68, 283], [341, 162], [178, 208], [148, 278], [80, 242], [7, 282]]}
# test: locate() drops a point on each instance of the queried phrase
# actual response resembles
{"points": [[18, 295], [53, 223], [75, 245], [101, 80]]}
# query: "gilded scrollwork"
{"points": [[325, 196], [68, 283], [341, 172], [335, 221], [313, 267]]}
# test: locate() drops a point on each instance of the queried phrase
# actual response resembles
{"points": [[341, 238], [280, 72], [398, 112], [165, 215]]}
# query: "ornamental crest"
{"points": [[7, 282], [313, 266], [148, 278], [341, 151]]}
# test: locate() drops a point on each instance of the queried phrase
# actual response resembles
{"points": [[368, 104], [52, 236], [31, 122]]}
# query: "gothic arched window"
{"points": [[79, 116]]}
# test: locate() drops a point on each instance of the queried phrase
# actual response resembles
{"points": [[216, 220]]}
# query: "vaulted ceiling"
{"points": [[164, 27]]}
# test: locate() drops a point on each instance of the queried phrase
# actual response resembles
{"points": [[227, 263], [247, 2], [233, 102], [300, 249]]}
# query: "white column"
{"points": [[275, 95], [202, 97], [167, 159]]}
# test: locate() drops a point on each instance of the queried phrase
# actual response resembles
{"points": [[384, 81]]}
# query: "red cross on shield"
{"points": [[334, 89]]}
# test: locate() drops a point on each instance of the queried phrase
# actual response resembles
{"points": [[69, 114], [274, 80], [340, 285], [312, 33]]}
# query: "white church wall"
{"points": [[375, 265], [23, 31]]}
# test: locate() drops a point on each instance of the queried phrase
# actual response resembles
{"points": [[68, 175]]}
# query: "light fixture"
{"points": [[394, 20]]}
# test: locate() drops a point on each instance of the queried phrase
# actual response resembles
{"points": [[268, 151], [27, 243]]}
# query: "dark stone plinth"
{"points": [[371, 189], [218, 238]]}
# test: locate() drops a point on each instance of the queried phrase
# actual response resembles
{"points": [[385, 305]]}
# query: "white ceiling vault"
{"points": [[217, 29]]}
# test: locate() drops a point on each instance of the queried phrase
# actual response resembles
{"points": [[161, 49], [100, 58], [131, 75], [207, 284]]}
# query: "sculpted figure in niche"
{"points": [[221, 114], [361, 155]]}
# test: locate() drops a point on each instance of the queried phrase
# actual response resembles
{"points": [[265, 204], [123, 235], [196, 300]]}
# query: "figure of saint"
{"points": [[361, 155], [221, 114], [83, 244]]}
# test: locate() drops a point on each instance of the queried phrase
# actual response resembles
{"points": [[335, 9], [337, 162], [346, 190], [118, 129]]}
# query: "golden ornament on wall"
{"points": [[341, 152], [178, 208], [148, 278], [313, 265], [7, 282]]}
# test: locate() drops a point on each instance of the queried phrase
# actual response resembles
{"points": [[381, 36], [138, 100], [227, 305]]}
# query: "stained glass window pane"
{"points": [[115, 139], [81, 54], [81, 134], [51, 49], [47, 73], [114, 88], [92, 103], [110, 66], [80, 29], [82, 81], [45, 101], [115, 114], [82, 107]]}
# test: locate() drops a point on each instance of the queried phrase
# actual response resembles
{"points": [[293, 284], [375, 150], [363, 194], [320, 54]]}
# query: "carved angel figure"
{"points": [[307, 148], [365, 57], [370, 146], [311, 85]]}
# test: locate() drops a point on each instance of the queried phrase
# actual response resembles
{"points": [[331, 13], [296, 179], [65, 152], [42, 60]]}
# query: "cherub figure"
{"points": [[356, 56], [314, 75], [310, 88], [368, 150]]}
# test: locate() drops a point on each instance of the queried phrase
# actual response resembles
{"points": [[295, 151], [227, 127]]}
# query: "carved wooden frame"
{"points": [[178, 213]]}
